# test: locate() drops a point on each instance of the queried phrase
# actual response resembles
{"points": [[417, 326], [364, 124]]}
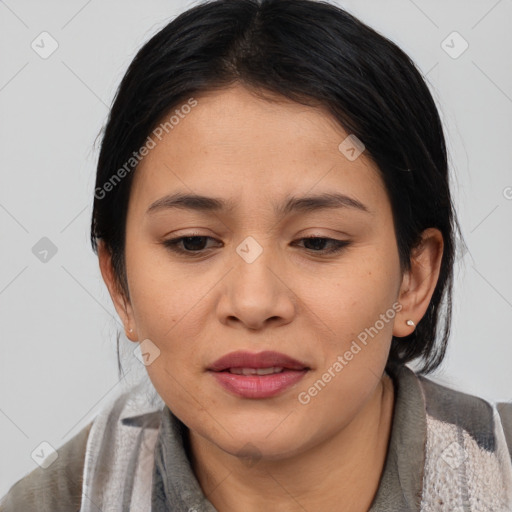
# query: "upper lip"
{"points": [[265, 359]]}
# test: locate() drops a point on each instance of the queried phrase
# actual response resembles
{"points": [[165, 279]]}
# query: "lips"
{"points": [[262, 360], [257, 376]]}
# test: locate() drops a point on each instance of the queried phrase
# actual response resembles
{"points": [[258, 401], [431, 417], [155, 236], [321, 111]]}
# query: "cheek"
{"points": [[173, 314], [362, 290], [360, 310], [161, 295]]}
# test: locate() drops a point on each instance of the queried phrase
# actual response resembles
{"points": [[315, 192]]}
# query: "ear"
{"points": [[419, 283], [121, 302]]}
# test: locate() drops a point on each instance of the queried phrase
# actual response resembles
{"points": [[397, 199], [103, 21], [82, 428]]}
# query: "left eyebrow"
{"points": [[320, 202], [290, 205]]}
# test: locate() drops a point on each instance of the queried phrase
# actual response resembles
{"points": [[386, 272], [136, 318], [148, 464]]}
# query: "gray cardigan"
{"points": [[448, 451]]}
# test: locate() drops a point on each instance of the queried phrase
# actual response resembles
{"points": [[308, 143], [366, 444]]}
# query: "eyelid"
{"points": [[172, 244]]}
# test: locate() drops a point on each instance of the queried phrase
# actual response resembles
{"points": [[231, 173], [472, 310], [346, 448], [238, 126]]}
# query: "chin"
{"points": [[261, 438], [251, 450]]}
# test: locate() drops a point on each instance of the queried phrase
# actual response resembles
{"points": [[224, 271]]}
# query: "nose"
{"points": [[256, 294]]}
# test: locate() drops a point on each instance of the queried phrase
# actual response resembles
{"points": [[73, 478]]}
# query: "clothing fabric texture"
{"points": [[448, 451]]}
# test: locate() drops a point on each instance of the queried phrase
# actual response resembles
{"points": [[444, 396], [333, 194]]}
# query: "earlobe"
{"points": [[419, 282], [121, 304]]}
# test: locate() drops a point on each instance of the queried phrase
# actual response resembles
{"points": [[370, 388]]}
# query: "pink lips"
{"points": [[289, 370]]}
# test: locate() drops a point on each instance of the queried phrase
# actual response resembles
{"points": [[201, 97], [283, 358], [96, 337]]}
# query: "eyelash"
{"points": [[172, 244]]}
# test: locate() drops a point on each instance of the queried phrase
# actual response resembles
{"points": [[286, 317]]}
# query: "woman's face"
{"points": [[251, 282]]}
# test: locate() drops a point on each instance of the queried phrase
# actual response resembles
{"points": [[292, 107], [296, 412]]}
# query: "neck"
{"points": [[345, 468]]}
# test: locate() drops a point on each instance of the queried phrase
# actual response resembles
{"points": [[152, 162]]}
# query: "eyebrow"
{"points": [[291, 204]]}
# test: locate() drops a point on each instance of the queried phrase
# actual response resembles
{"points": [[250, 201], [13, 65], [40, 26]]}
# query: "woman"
{"points": [[274, 223]]}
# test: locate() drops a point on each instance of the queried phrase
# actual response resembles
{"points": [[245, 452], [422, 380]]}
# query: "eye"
{"points": [[195, 245], [191, 244], [317, 242]]}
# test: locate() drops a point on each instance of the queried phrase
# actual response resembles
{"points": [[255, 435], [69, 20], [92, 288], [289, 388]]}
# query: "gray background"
{"points": [[57, 323]]}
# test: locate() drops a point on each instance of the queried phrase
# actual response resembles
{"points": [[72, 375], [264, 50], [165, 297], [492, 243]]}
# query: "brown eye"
{"points": [[196, 245], [317, 244], [191, 244]]}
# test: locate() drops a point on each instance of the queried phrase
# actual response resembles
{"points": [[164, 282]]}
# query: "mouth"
{"points": [[261, 375], [255, 371], [257, 361]]}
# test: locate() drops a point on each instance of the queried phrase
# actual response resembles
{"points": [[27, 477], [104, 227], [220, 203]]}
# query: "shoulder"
{"points": [[505, 411], [56, 488], [481, 419], [469, 412], [468, 449], [86, 458]]}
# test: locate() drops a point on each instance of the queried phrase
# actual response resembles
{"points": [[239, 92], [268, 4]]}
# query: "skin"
{"points": [[274, 453]]}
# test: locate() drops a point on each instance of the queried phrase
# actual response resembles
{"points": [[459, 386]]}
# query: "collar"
{"points": [[401, 483]]}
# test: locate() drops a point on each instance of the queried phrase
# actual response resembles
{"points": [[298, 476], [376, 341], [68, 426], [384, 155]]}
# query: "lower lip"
{"points": [[258, 386]]}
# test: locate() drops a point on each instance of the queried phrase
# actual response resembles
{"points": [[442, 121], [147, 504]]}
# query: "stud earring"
{"points": [[410, 322], [131, 330]]}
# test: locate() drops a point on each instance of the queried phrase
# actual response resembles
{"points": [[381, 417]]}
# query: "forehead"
{"points": [[239, 146]]}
